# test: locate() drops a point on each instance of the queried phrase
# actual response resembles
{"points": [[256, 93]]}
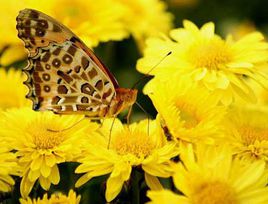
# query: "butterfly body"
{"points": [[64, 75]]}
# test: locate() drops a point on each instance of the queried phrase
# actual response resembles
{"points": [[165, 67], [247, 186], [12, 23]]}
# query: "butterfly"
{"points": [[64, 75]]}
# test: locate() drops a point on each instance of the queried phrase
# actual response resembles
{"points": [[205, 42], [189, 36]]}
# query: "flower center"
{"points": [[43, 137], [214, 193], [251, 134], [133, 142], [209, 54], [188, 114]]}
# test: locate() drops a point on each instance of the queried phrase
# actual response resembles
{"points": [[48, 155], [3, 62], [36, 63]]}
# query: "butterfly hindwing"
{"points": [[63, 74], [63, 82]]}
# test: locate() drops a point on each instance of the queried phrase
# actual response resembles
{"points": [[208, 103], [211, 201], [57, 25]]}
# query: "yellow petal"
{"points": [[50, 160], [160, 170], [4, 187], [83, 179], [190, 26], [25, 186], [250, 175], [208, 30], [44, 182], [12, 54], [222, 81], [153, 182], [166, 197], [54, 176], [36, 163], [33, 175], [45, 170], [255, 197], [199, 74], [116, 180]]}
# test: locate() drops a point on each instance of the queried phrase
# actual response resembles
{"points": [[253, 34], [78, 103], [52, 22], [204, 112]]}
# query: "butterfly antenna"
{"points": [[148, 118], [147, 74]]}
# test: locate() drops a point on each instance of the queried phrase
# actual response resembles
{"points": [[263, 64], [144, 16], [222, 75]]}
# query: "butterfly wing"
{"points": [[63, 74]]}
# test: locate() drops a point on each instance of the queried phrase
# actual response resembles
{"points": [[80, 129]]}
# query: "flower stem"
{"points": [[135, 186]]}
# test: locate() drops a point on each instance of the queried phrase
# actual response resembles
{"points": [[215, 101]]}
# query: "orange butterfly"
{"points": [[64, 75]]}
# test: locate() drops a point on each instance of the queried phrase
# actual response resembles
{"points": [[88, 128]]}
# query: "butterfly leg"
{"points": [[129, 114], [101, 122], [110, 134]]}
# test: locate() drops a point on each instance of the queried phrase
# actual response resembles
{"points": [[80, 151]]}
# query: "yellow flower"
{"points": [[92, 21], [240, 29], [146, 19], [56, 198], [217, 64], [190, 113], [130, 147], [248, 131], [42, 141], [8, 167], [211, 176], [12, 90]]}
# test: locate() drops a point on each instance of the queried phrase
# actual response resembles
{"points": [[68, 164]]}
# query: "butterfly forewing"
{"points": [[63, 74], [38, 30]]}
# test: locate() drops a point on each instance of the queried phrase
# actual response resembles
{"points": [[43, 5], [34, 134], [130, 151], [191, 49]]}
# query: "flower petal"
{"points": [[120, 174], [153, 182]]}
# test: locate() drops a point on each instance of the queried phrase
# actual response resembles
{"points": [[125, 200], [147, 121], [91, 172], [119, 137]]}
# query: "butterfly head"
{"points": [[126, 96]]}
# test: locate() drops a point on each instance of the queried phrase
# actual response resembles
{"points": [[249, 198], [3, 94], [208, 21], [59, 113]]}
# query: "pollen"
{"points": [[187, 113], [134, 142], [251, 134], [213, 193], [44, 138], [210, 54]]}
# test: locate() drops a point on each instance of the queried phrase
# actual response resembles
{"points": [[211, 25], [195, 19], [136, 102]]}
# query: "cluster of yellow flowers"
{"points": [[210, 135], [210, 95]]}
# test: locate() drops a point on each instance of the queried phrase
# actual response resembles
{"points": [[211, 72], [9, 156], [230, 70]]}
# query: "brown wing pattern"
{"points": [[37, 30], [62, 74]]}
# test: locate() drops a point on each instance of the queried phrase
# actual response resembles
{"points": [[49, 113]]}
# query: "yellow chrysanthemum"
{"points": [[217, 64], [146, 19], [190, 113], [8, 167], [56, 198], [130, 147], [211, 176], [41, 142], [12, 90], [93, 21], [248, 131]]}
